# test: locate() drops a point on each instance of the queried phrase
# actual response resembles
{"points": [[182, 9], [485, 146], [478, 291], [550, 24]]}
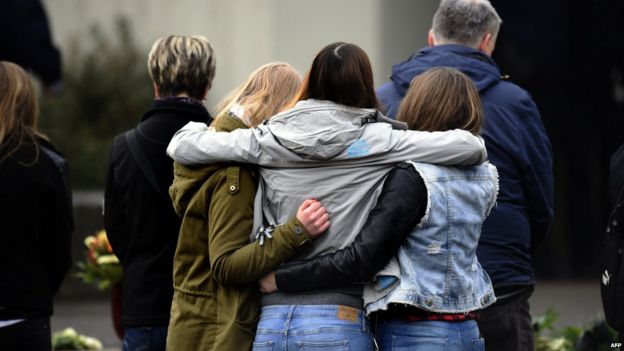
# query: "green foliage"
{"points": [[595, 337], [107, 89], [101, 274]]}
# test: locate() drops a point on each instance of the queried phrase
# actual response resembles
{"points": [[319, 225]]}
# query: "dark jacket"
{"points": [[140, 221], [399, 208], [517, 145], [25, 39], [37, 224]]}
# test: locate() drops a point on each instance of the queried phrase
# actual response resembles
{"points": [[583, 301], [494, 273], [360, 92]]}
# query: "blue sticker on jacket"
{"points": [[358, 149]]}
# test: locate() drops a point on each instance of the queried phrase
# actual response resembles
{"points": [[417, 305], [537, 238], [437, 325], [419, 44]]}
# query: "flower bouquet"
{"points": [[101, 266], [69, 339]]}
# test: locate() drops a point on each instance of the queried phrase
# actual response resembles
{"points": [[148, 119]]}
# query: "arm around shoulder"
{"points": [[453, 147]]}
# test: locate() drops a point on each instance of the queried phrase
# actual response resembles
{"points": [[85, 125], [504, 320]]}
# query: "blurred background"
{"points": [[568, 54]]}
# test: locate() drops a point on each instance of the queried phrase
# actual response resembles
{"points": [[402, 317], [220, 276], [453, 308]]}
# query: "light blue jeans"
{"points": [[312, 327], [399, 335]]}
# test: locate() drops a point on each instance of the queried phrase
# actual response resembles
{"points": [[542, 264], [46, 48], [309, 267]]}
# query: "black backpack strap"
{"points": [[145, 167]]}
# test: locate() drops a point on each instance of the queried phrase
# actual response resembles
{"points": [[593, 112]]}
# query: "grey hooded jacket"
{"points": [[327, 151]]}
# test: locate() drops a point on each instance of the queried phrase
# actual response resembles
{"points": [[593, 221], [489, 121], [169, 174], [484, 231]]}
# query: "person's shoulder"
{"points": [[119, 146], [506, 92], [49, 151]]}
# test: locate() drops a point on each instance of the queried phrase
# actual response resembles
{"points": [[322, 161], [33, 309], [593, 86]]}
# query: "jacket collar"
{"points": [[185, 108], [475, 64]]}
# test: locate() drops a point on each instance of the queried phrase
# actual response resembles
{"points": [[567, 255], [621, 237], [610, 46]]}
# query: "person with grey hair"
{"points": [[463, 36], [139, 218]]}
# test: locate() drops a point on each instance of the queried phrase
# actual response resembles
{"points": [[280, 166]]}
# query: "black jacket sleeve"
{"points": [[115, 207], [59, 221], [400, 207]]}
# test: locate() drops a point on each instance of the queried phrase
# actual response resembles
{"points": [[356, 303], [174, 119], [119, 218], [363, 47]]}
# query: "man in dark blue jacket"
{"points": [[463, 36]]}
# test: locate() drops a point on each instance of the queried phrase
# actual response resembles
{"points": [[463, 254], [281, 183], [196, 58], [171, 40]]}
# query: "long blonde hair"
{"points": [[266, 92], [18, 110]]}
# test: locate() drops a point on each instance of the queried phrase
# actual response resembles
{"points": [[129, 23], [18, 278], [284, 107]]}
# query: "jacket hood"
{"points": [[188, 180], [318, 129], [475, 64]]}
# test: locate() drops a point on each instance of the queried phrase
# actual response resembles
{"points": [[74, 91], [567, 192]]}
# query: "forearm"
{"points": [[454, 147], [233, 260], [251, 262], [195, 144], [399, 208]]}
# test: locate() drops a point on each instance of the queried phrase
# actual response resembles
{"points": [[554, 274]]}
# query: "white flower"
{"points": [[107, 259], [90, 343], [70, 332]]}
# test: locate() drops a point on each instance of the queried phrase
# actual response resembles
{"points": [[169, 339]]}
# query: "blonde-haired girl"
{"points": [[216, 302]]}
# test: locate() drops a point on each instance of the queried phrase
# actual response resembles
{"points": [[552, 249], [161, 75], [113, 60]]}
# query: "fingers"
{"points": [[313, 207], [321, 220], [305, 204], [314, 217], [324, 227]]}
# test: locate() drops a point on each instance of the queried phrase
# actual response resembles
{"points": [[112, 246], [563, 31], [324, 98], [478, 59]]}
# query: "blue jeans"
{"points": [[399, 335], [145, 339], [313, 327]]}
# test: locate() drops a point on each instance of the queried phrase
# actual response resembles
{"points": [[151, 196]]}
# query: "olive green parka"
{"points": [[216, 302]]}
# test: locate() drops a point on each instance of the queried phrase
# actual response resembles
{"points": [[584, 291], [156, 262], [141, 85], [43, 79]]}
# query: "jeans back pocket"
{"points": [[263, 346]]}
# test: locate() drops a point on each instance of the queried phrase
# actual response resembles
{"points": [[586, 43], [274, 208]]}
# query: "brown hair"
{"points": [[441, 99], [342, 73], [265, 93], [18, 110]]}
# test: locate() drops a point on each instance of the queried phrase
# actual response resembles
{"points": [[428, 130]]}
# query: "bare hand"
{"points": [[314, 217], [267, 284]]}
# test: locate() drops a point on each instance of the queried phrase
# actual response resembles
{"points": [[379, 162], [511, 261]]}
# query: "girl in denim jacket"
{"points": [[424, 229]]}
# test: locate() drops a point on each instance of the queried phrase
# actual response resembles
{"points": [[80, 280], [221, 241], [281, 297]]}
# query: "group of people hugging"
{"points": [[300, 217]]}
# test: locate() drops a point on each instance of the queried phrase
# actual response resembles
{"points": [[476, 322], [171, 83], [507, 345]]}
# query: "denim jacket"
{"points": [[437, 264]]}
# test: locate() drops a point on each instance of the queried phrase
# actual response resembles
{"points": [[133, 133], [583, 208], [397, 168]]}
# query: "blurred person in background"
{"points": [[35, 214], [25, 39], [216, 302], [139, 218], [463, 36]]}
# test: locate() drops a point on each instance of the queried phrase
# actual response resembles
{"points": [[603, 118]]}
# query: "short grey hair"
{"points": [[464, 22], [182, 64]]}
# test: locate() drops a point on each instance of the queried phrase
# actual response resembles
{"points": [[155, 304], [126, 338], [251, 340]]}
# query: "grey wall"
{"points": [[247, 34]]}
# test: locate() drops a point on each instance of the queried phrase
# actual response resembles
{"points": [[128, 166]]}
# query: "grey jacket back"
{"points": [[337, 154]]}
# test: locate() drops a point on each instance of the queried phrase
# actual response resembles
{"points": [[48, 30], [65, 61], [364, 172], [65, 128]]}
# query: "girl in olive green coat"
{"points": [[216, 301]]}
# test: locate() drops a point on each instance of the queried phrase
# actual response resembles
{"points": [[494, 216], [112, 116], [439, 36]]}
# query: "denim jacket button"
{"points": [[429, 302], [486, 299]]}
